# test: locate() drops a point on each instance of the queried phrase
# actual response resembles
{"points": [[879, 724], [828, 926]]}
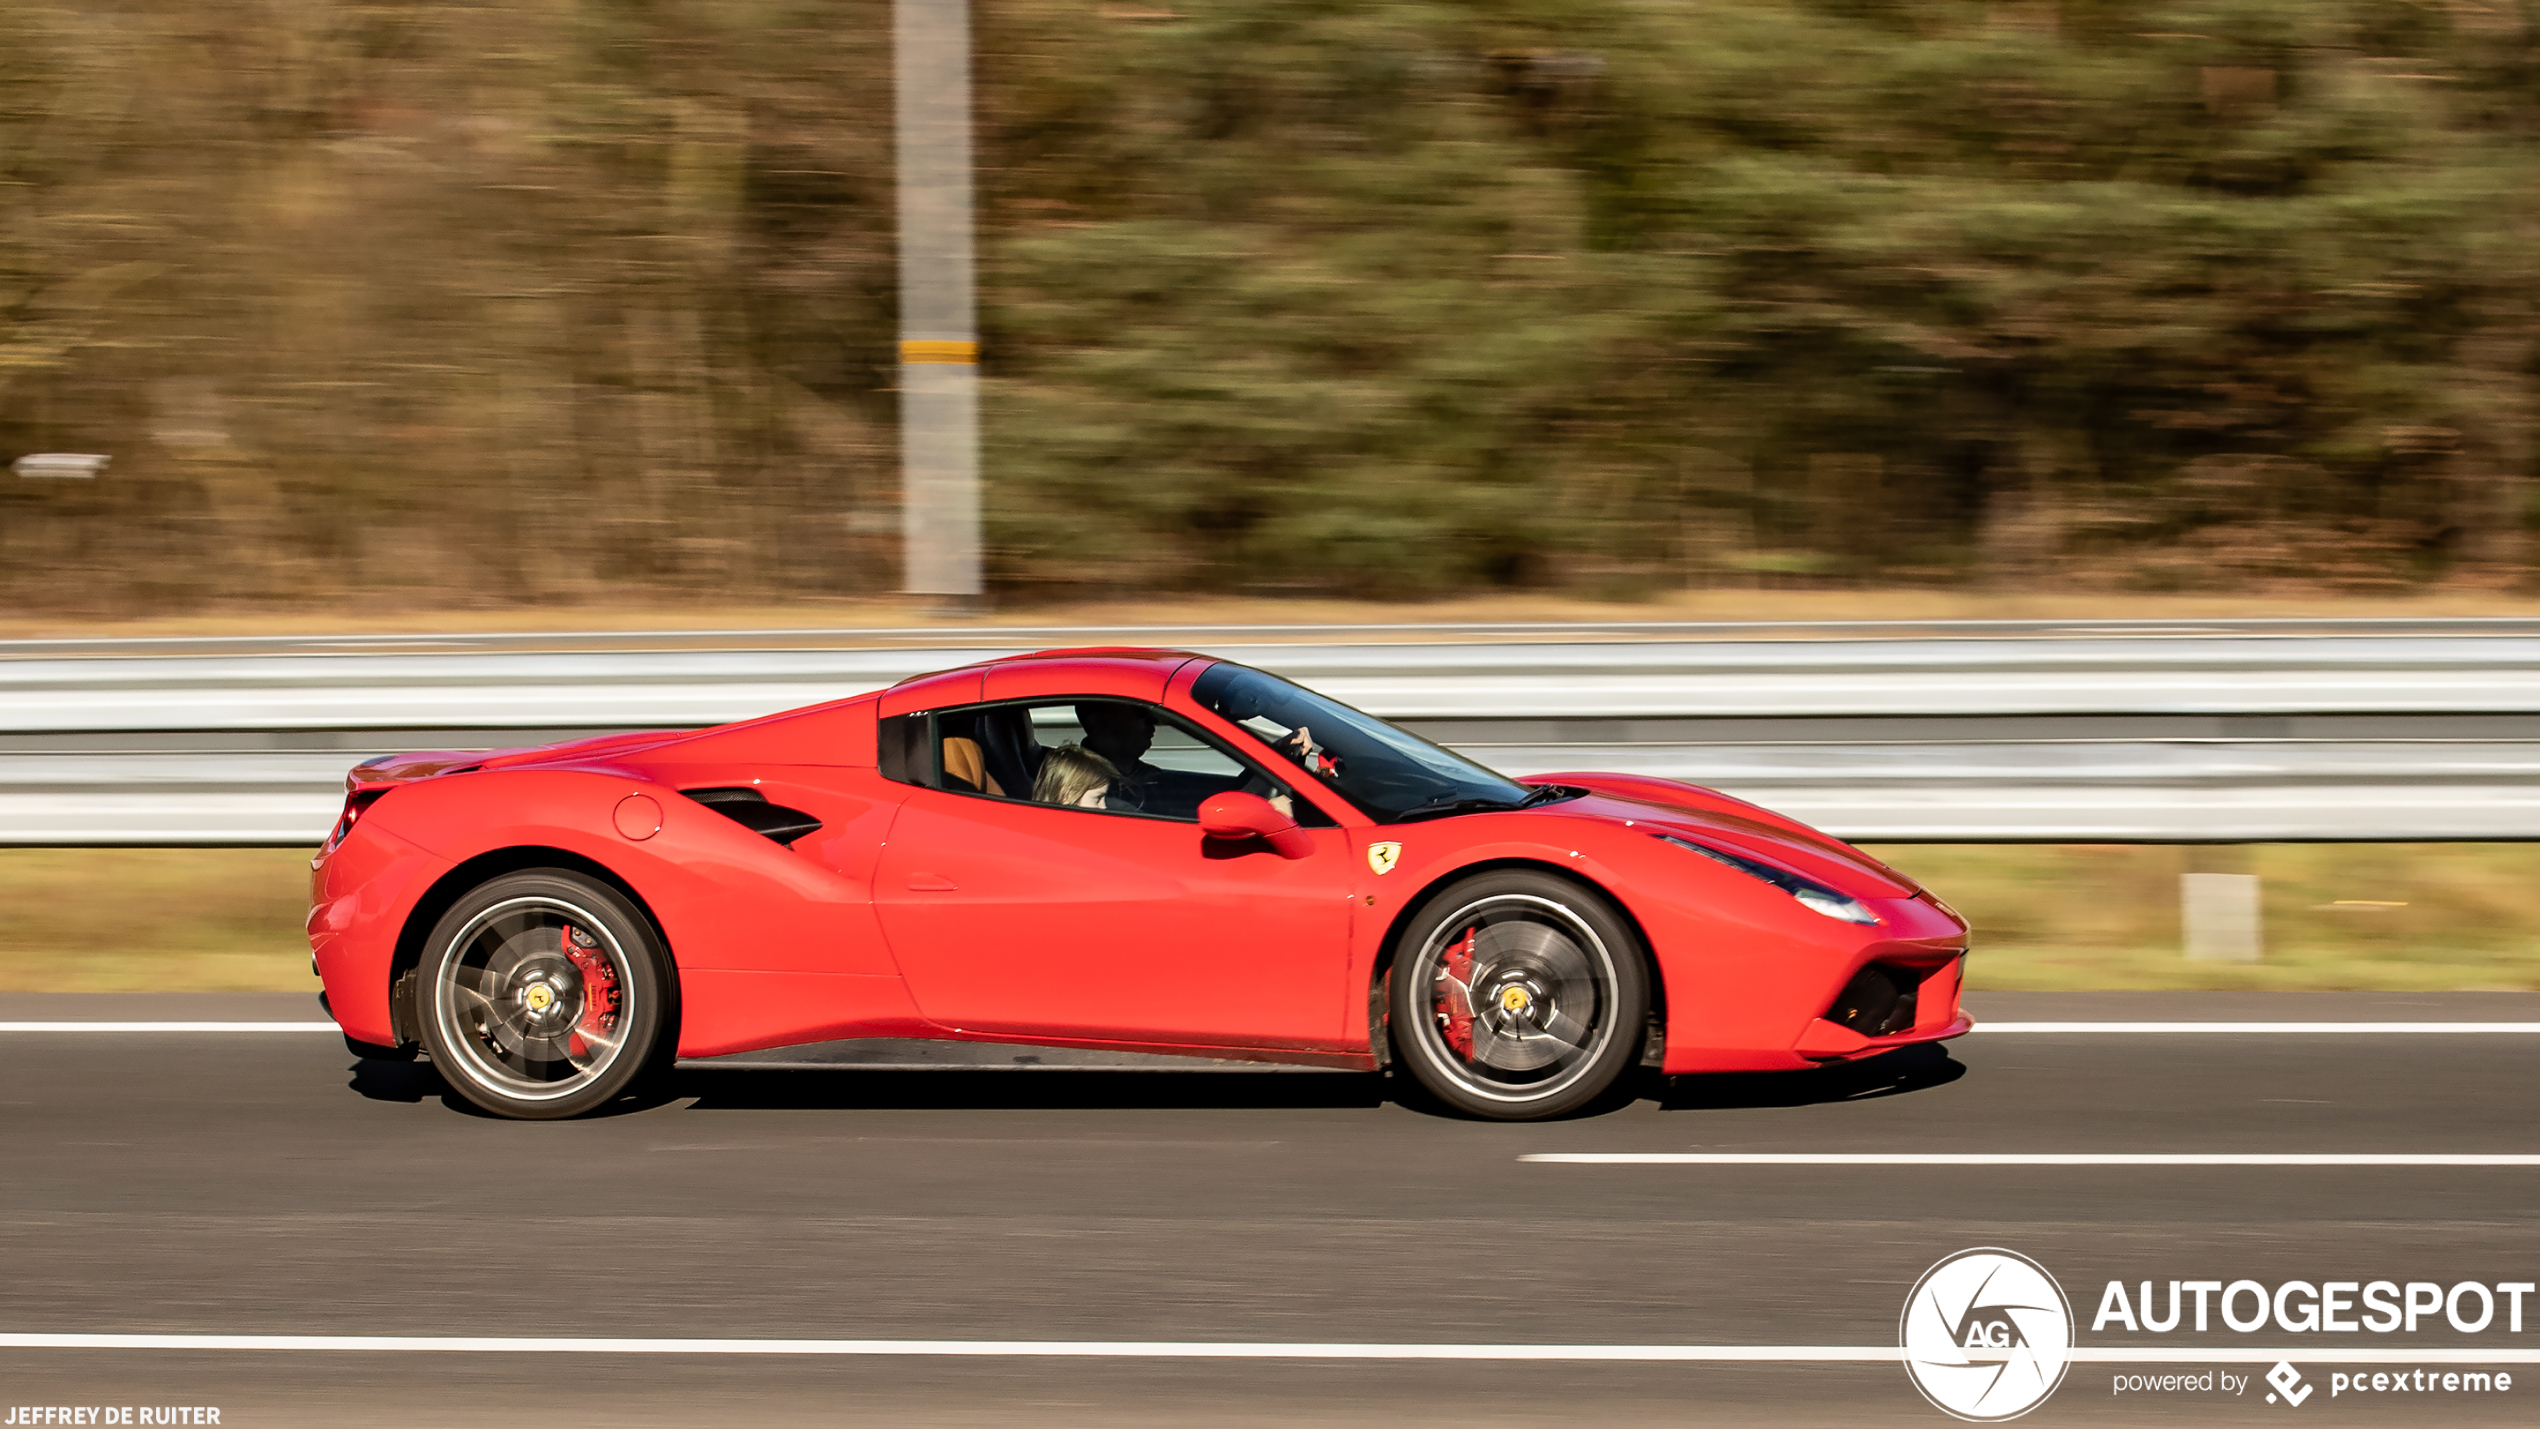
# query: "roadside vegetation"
{"points": [[2386, 917], [2397, 917], [390, 305], [154, 920]]}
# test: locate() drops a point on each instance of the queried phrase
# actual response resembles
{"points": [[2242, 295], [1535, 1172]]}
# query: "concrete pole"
{"points": [[939, 331]]}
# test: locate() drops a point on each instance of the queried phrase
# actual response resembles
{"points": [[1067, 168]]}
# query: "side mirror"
{"points": [[1237, 815]]}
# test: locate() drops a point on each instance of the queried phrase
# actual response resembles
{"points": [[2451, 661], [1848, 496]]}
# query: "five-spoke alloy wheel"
{"points": [[1518, 996], [543, 995]]}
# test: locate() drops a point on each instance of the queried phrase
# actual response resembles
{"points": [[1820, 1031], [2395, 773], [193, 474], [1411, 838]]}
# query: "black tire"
{"points": [[1553, 997], [545, 994]]}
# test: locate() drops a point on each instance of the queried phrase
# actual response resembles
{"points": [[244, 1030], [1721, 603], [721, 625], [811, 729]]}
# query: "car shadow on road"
{"points": [[1907, 1069], [397, 1081], [722, 1089], [712, 1089], [928, 1089], [410, 1082]]}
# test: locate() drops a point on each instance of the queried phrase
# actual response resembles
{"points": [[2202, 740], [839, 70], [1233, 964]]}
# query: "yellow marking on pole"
{"points": [[936, 349]]}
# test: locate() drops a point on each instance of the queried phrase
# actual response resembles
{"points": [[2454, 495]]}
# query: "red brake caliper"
{"points": [[600, 992], [1458, 995]]}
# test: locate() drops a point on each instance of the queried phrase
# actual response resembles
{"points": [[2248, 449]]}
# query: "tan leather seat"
{"points": [[963, 761]]}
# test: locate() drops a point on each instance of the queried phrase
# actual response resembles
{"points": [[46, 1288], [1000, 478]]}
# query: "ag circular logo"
{"points": [[1987, 1335]]}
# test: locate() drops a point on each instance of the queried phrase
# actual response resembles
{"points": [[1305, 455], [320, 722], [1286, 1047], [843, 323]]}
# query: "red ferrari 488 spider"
{"points": [[1143, 850]]}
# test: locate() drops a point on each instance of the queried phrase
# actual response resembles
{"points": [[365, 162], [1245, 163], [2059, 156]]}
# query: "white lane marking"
{"points": [[1217, 1349], [2026, 1158], [2333, 1029], [2308, 1354], [169, 1027], [1063, 1349], [2144, 1028]]}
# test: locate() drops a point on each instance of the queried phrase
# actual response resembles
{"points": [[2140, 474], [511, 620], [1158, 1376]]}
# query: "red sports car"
{"points": [[1143, 850]]}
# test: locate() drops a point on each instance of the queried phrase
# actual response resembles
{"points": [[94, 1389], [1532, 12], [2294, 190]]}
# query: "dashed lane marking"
{"points": [[2028, 1158]]}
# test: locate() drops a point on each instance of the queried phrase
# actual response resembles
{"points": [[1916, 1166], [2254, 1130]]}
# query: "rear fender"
{"points": [[770, 945], [362, 890]]}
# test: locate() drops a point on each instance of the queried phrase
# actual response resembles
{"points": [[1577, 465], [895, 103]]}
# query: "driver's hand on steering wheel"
{"points": [[1302, 748]]}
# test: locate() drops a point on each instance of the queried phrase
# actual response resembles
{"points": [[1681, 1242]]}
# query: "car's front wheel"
{"points": [[544, 995], [1518, 996]]}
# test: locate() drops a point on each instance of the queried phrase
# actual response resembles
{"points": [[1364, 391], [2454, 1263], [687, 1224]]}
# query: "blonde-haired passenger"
{"points": [[1074, 775]]}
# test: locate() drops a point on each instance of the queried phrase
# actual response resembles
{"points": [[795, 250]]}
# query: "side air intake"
{"points": [[749, 808]]}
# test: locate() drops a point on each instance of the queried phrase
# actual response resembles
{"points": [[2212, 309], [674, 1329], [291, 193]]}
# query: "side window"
{"points": [[1117, 756], [902, 751]]}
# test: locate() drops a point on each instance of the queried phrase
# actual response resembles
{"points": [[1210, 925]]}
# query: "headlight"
{"points": [[1815, 897], [1834, 905]]}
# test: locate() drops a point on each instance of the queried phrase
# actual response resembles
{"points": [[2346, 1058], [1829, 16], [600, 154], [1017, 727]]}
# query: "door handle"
{"points": [[931, 883]]}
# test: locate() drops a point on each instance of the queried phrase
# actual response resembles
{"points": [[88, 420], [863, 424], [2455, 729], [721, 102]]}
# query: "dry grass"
{"points": [[386, 617], [2065, 917], [154, 920], [2047, 917]]}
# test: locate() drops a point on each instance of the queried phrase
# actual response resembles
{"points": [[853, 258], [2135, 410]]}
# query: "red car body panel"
{"points": [[1010, 922], [922, 912]]}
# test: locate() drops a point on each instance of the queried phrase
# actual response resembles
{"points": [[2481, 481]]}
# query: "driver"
{"points": [[1121, 734]]}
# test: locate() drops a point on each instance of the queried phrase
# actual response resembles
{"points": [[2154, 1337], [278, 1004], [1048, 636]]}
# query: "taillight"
{"points": [[354, 803]]}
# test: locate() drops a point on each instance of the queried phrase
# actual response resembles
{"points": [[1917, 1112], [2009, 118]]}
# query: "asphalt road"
{"points": [[224, 1183]]}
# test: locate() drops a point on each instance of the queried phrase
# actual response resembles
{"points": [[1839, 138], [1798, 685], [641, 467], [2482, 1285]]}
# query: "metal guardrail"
{"points": [[1974, 731]]}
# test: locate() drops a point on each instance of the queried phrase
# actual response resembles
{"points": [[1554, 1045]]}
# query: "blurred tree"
{"points": [[491, 305], [1317, 296], [580, 299]]}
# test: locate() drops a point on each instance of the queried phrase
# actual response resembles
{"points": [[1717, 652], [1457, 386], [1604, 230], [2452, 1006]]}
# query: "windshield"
{"points": [[1387, 772]]}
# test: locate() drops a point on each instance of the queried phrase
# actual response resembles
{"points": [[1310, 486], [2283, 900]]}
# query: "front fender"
{"points": [[1745, 971]]}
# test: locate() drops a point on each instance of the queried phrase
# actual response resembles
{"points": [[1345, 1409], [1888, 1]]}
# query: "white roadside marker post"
{"points": [[2218, 917], [939, 335]]}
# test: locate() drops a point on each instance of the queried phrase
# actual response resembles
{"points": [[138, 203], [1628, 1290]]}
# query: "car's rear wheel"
{"points": [[545, 994], [1518, 996]]}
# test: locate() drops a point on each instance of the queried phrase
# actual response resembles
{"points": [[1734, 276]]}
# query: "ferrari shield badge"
{"points": [[1383, 856]]}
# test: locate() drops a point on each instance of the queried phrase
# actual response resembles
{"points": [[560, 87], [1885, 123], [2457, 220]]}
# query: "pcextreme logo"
{"points": [[1987, 1335]]}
